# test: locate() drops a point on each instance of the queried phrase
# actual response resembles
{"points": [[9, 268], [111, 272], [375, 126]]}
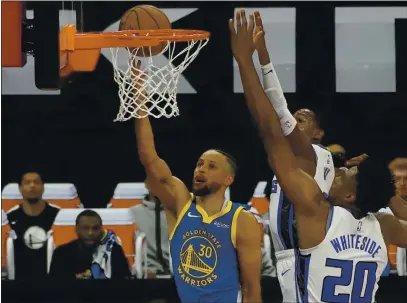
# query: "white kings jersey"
{"points": [[283, 225], [281, 212], [347, 265]]}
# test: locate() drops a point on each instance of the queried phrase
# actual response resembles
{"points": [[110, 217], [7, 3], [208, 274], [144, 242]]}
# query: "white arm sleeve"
{"points": [[272, 88]]}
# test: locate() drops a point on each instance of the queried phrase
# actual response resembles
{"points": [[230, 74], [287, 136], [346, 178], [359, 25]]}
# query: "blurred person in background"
{"points": [[96, 254], [31, 220], [151, 220], [398, 168], [338, 155], [343, 190]]}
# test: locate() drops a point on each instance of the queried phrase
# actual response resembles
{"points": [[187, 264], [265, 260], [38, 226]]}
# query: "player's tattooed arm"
{"points": [[162, 184], [299, 142], [300, 188], [248, 246]]}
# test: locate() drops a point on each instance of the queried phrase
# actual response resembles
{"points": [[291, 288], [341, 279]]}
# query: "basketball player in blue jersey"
{"points": [[304, 134], [342, 251], [215, 245]]}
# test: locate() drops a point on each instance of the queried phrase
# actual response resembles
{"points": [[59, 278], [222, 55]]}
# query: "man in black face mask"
{"points": [[30, 221], [96, 253]]}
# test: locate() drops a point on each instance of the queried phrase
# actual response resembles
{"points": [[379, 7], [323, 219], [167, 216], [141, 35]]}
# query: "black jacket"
{"points": [[71, 261]]}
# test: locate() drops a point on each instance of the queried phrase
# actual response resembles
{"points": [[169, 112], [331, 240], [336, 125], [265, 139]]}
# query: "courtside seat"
{"points": [[127, 195], [5, 228], [227, 193], [397, 260], [259, 199], [392, 255], [267, 245], [402, 261], [63, 195], [7, 248], [119, 220]]}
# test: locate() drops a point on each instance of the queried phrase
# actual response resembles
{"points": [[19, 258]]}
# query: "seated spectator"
{"points": [[398, 168], [31, 221], [96, 254], [151, 220]]}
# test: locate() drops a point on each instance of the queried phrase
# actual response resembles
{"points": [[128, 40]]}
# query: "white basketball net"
{"points": [[152, 89]]}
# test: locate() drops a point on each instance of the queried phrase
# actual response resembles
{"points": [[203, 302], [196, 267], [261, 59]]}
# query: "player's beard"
{"points": [[203, 191]]}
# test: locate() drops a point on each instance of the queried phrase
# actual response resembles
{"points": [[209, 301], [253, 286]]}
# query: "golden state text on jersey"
{"points": [[203, 253]]}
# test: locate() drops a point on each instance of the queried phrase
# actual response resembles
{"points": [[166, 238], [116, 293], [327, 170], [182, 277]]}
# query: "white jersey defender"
{"points": [[347, 265], [282, 224]]}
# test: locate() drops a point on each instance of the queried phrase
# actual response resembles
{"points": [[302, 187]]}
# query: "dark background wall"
{"points": [[72, 137]]}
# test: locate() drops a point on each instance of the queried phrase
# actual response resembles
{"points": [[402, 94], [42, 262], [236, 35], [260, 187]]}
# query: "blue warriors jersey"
{"points": [[203, 252]]}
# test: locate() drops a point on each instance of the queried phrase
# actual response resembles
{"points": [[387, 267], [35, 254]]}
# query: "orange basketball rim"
{"points": [[79, 52]]}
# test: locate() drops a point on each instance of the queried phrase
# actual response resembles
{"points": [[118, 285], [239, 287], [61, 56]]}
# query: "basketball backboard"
{"points": [[33, 42]]}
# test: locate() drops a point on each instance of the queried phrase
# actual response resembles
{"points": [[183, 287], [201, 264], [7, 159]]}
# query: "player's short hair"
{"points": [[231, 160], [374, 186], [29, 172], [88, 213], [315, 116]]}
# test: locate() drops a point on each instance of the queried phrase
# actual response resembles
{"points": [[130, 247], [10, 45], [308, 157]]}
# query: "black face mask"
{"points": [[339, 159]]}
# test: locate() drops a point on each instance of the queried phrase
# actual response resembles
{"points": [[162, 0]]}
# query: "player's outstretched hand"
{"points": [[137, 75], [242, 37], [259, 39], [138, 78], [356, 160]]}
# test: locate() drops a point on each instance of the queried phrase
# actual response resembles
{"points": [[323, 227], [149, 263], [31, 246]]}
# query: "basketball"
{"points": [[145, 17]]}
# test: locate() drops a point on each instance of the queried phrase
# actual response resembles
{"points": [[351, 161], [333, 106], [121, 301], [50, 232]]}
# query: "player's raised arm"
{"points": [[300, 188], [162, 184], [299, 142]]}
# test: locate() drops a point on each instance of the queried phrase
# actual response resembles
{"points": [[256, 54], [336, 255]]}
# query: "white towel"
{"points": [[101, 265]]}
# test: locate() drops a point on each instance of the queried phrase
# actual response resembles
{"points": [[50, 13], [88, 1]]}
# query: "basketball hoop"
{"points": [[81, 51]]}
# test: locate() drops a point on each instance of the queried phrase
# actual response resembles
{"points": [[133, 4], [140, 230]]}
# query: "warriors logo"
{"points": [[198, 258], [35, 237]]}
